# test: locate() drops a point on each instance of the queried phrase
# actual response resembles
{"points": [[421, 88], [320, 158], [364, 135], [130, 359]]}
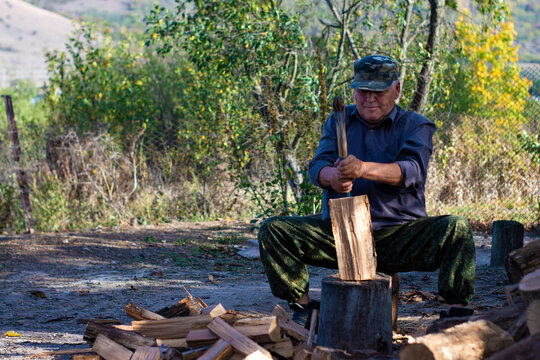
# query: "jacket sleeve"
{"points": [[414, 153]]}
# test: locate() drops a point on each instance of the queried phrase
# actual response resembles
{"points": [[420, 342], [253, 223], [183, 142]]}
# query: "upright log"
{"points": [[355, 247], [19, 172], [507, 235], [356, 315], [523, 261]]}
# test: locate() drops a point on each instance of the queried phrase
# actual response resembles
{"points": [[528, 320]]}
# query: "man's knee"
{"points": [[269, 226], [460, 225]]}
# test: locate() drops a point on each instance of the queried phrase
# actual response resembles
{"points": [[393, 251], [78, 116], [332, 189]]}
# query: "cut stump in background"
{"points": [[507, 235]]}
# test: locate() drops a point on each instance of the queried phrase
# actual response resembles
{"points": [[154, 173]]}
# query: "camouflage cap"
{"points": [[374, 72]]}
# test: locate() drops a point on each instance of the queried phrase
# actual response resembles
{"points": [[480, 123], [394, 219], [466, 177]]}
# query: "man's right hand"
{"points": [[328, 176]]}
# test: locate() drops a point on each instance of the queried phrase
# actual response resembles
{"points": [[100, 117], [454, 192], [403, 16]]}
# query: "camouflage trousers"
{"points": [[288, 243]]}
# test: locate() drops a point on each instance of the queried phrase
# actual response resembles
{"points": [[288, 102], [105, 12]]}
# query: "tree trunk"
{"points": [[426, 74]]}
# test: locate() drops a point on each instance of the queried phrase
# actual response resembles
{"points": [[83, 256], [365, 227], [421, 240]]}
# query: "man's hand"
{"points": [[349, 168], [328, 177]]}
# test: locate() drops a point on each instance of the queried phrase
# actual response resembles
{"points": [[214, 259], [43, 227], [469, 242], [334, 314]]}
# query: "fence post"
{"points": [[21, 176]]}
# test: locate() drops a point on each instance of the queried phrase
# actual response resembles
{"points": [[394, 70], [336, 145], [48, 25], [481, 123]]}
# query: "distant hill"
{"points": [[26, 31], [526, 14]]}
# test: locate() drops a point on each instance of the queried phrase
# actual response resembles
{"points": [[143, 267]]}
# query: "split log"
{"points": [[238, 341], [129, 339], [172, 328], [356, 314], [146, 353], [138, 312], [220, 350], [263, 330], [177, 343], [519, 329], [355, 247], [507, 235], [283, 347], [214, 310], [110, 350], [529, 287], [185, 307], [303, 354], [533, 317], [526, 349], [471, 340], [523, 261], [288, 326]]}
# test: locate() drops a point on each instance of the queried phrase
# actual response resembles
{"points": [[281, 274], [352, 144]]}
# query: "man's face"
{"points": [[373, 106]]}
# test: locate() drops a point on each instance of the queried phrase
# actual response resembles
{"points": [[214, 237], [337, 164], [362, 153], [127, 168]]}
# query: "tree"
{"points": [[261, 48]]}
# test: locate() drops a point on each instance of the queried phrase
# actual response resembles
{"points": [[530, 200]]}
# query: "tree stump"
{"points": [[356, 315], [506, 236]]}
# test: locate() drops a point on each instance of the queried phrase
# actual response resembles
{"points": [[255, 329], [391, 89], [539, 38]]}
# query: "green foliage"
{"points": [[11, 214], [531, 144]]}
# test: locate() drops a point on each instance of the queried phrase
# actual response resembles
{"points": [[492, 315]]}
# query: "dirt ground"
{"points": [[50, 282]]}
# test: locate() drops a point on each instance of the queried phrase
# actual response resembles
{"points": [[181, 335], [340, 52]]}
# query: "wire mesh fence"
{"points": [[485, 166]]}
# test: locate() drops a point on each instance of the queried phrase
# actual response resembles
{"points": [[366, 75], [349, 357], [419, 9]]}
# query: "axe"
{"points": [[339, 111]]}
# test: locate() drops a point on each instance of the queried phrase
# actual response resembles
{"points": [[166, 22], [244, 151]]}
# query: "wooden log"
{"points": [[19, 171], [504, 318], [529, 287], [507, 235], [526, 349], [283, 347], [239, 342], [356, 314], [220, 350], [312, 327], [146, 353], [110, 350], [129, 339], [303, 354], [173, 328], [519, 329], [214, 310], [523, 261], [177, 343], [185, 307], [263, 330], [288, 326], [533, 317], [138, 312], [472, 341], [355, 247]]}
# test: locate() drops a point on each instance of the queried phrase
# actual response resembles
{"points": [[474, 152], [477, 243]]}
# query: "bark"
{"points": [[426, 74]]}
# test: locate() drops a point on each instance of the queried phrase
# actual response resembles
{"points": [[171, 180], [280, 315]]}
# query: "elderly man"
{"points": [[389, 149]]}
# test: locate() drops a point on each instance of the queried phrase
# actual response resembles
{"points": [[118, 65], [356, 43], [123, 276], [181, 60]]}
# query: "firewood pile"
{"points": [[190, 329], [509, 332]]}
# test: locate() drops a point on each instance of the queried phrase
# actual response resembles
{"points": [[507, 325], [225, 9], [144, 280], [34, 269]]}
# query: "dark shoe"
{"points": [[302, 312], [456, 312]]}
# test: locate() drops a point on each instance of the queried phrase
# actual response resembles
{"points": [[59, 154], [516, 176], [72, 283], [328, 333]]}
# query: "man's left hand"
{"points": [[350, 168]]}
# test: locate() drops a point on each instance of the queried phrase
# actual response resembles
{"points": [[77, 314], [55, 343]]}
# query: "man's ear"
{"points": [[398, 89]]}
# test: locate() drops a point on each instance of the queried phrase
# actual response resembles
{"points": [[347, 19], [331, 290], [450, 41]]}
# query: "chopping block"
{"points": [[356, 304]]}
